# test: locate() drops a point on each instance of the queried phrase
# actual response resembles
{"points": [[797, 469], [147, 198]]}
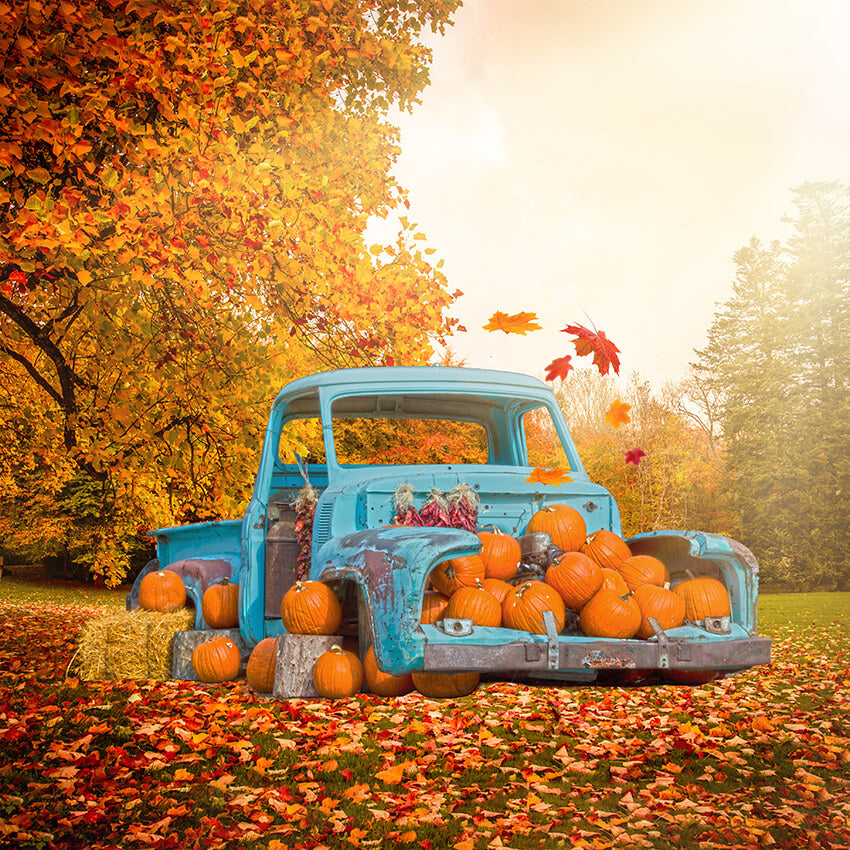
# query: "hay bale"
{"points": [[129, 644]]}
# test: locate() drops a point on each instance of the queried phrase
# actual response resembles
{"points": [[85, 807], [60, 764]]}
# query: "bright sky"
{"points": [[606, 158]]}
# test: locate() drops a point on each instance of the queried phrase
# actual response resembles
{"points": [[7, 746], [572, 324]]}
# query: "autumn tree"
{"points": [[778, 354], [185, 189]]}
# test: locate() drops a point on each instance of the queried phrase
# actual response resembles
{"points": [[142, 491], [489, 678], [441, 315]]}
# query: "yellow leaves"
{"points": [[551, 477], [39, 175], [618, 414], [182, 775], [393, 775], [518, 323]]}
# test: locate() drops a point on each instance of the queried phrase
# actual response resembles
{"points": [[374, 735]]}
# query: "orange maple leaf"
{"points": [[555, 477], [592, 341], [560, 367], [618, 413], [392, 775], [518, 323]]}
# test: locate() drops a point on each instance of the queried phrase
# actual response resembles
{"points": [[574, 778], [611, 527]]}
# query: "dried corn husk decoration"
{"points": [[405, 510], [129, 644], [305, 510], [463, 508]]}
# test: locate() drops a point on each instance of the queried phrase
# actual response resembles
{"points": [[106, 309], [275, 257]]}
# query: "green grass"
{"points": [[780, 609], [30, 585]]}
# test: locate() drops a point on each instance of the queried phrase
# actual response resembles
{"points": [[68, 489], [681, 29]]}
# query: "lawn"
{"points": [[759, 759]]}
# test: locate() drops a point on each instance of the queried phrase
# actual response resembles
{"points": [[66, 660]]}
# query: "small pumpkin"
{"points": [[642, 569], [337, 673], [563, 523], [262, 664], [606, 548], [662, 604], [456, 573], [476, 604], [524, 606], [705, 596], [500, 552], [216, 660], [310, 608], [162, 590], [610, 615], [614, 581], [445, 685], [433, 606], [384, 684], [576, 577], [220, 605], [498, 588]]}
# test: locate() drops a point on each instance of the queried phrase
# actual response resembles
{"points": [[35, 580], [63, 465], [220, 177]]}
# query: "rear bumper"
{"points": [[580, 656]]}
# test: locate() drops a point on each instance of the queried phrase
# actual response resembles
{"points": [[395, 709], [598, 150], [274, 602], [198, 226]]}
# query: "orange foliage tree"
{"points": [[184, 190]]}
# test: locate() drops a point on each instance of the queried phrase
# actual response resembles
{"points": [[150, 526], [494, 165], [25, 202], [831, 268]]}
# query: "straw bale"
{"points": [[129, 644]]}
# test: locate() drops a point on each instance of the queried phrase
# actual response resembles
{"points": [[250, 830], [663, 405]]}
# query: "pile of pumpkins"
{"points": [[613, 592]]}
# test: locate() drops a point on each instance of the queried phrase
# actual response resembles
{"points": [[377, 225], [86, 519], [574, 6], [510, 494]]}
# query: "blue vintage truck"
{"points": [[350, 433]]}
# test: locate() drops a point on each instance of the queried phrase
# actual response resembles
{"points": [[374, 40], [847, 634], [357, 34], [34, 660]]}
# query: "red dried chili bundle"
{"points": [[463, 508], [405, 510], [305, 509], [435, 511]]}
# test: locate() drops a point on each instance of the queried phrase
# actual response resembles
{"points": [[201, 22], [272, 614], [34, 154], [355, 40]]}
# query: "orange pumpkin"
{"points": [[445, 685], [576, 577], [498, 588], [612, 580], [501, 554], [564, 524], [384, 684], [456, 573], [606, 548], [310, 608], [610, 615], [216, 660], [642, 569], [337, 673], [433, 606], [666, 607], [476, 604], [220, 605], [162, 590], [524, 606], [262, 664], [705, 596]]}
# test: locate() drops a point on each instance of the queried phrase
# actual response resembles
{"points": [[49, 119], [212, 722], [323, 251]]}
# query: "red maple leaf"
{"points": [[587, 341], [559, 368], [635, 455]]}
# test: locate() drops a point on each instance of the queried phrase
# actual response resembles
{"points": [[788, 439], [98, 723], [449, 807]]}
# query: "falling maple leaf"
{"points": [[592, 341], [618, 413], [559, 368], [555, 477], [518, 323], [635, 455]]}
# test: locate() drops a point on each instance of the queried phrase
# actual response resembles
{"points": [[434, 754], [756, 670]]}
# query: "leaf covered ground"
{"points": [[760, 759]]}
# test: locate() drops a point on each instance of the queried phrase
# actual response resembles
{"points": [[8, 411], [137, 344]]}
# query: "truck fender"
{"points": [[391, 566]]}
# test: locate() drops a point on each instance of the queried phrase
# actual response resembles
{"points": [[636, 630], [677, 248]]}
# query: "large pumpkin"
{"points": [[456, 573], [639, 570], [662, 604], [501, 554], [705, 596], [476, 604], [216, 660], [384, 684], [310, 608], [610, 615], [498, 588], [606, 548], [564, 524], [612, 580], [433, 606], [262, 663], [576, 577], [220, 605], [445, 685], [524, 606], [162, 590], [337, 673]]}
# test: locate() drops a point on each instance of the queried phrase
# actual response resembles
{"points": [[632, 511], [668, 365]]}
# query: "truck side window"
{"points": [[408, 441], [542, 444], [304, 437]]}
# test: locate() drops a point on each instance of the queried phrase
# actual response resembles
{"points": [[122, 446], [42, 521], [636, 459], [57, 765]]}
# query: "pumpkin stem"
{"points": [[478, 584], [337, 649]]}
